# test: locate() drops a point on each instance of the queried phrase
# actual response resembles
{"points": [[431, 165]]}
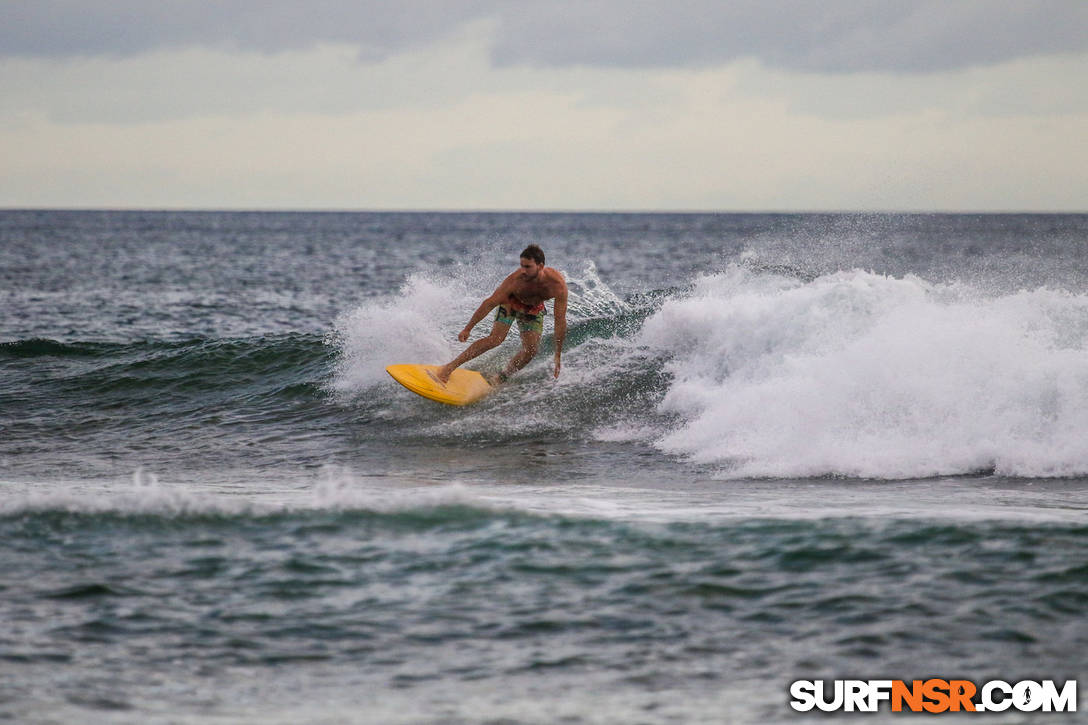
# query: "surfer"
{"points": [[520, 297]]}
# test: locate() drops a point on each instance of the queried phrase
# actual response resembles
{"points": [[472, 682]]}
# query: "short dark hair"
{"points": [[534, 253]]}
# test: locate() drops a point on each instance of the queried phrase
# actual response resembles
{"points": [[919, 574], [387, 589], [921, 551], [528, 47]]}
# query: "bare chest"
{"points": [[531, 293]]}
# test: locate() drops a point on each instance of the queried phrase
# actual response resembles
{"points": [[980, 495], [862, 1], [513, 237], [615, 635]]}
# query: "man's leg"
{"points": [[498, 334], [530, 343]]}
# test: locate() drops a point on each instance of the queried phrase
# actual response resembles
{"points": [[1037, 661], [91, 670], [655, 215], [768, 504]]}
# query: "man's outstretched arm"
{"points": [[560, 327], [497, 298]]}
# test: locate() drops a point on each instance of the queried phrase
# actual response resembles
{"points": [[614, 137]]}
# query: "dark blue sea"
{"points": [[781, 447]]}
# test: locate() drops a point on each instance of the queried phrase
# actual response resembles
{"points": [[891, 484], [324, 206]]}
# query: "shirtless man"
{"points": [[520, 297]]}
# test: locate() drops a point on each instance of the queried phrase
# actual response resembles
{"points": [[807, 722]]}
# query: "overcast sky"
{"points": [[534, 104]]}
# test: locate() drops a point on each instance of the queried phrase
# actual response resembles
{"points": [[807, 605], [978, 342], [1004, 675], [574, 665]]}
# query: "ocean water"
{"points": [[781, 447]]}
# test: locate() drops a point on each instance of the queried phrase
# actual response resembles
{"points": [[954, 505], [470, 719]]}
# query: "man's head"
{"points": [[532, 261], [534, 253]]}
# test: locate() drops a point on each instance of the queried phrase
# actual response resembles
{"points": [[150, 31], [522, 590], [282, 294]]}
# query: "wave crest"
{"points": [[858, 374]]}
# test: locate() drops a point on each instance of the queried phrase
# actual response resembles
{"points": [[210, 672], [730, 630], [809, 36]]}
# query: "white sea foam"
{"points": [[858, 374], [331, 488], [411, 326]]}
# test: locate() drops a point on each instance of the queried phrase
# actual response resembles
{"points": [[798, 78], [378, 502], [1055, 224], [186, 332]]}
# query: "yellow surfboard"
{"points": [[464, 386]]}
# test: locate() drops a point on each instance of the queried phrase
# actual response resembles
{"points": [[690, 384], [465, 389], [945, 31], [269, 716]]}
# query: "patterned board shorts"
{"points": [[526, 321]]}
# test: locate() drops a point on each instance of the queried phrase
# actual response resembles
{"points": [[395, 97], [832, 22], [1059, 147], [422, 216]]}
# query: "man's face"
{"points": [[530, 269]]}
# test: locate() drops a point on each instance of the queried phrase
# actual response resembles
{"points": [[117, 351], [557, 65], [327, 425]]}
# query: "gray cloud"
{"points": [[831, 36], [127, 27], [826, 35]]}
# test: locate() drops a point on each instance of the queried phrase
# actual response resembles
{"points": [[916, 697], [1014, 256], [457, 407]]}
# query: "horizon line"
{"points": [[485, 210]]}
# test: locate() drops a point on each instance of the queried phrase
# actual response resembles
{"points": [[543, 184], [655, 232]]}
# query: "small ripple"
{"points": [[28, 658], [87, 591], [1066, 602], [101, 703], [1071, 575]]}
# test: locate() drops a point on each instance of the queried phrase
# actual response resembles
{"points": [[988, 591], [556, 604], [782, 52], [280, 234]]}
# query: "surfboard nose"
{"points": [[463, 387]]}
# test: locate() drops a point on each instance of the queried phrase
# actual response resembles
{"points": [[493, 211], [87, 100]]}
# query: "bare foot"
{"points": [[441, 376]]}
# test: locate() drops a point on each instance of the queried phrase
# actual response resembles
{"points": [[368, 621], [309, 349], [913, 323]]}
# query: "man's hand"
{"points": [[463, 334]]}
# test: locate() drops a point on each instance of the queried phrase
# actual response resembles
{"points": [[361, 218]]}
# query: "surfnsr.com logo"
{"points": [[933, 696]]}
